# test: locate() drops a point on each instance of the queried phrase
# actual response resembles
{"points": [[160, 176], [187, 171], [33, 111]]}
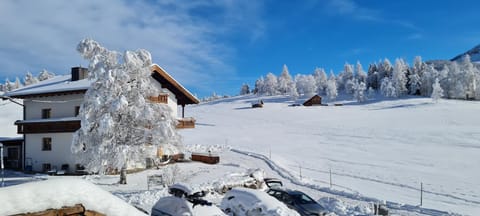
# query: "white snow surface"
{"points": [[381, 149], [57, 193]]}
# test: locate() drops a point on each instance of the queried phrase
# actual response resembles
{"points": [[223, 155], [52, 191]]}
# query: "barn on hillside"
{"points": [[315, 100]]}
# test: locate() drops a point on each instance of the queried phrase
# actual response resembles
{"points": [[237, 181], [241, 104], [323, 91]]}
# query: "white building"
{"points": [[50, 115]]}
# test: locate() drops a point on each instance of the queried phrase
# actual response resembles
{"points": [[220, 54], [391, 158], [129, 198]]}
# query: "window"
{"points": [[47, 144], [46, 113], [77, 110]]}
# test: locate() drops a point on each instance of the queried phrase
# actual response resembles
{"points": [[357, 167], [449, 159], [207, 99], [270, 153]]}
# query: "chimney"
{"points": [[79, 73]]}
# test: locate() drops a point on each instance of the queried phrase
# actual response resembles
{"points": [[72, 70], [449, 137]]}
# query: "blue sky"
{"points": [[216, 45]]}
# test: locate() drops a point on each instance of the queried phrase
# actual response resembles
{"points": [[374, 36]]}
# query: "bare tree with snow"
{"points": [[437, 91], [119, 126]]}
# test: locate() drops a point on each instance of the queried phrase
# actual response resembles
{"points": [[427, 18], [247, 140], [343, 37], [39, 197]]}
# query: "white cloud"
{"points": [[44, 34]]}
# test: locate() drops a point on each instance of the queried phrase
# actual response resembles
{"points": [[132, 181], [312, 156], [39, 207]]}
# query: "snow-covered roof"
{"points": [[57, 193], [57, 84], [167, 81], [63, 84]]}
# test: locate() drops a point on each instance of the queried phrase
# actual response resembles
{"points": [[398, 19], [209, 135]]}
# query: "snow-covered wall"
{"points": [[61, 106], [60, 153], [172, 99]]}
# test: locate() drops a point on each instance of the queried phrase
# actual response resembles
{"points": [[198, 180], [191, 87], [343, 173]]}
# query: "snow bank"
{"points": [[57, 193]]}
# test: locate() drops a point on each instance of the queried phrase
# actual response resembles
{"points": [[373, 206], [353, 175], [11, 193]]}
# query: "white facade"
{"points": [[61, 106], [59, 154]]}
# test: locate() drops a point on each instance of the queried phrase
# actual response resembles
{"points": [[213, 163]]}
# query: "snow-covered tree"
{"points": [[399, 77], [8, 85], [456, 87], [437, 91], [44, 75], [371, 92], [360, 74], [271, 84], [29, 79], [469, 76], [245, 89], [320, 80], [372, 77], [359, 91], [293, 92], [427, 79], [414, 83], [347, 79], [285, 82], [387, 88], [305, 84], [332, 91], [119, 126], [17, 83], [259, 86]]}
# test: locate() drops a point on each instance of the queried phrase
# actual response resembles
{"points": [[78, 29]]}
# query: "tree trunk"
{"points": [[123, 175]]}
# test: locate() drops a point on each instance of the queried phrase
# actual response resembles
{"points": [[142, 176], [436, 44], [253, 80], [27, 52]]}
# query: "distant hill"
{"points": [[474, 55]]}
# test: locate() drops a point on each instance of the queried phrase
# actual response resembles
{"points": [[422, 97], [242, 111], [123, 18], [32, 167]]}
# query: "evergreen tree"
{"points": [[285, 82]]}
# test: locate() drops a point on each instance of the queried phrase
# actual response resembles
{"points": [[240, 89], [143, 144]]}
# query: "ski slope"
{"points": [[381, 149]]}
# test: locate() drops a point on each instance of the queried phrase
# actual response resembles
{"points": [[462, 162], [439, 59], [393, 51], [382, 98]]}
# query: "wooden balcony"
{"points": [[161, 98], [186, 123], [47, 127]]}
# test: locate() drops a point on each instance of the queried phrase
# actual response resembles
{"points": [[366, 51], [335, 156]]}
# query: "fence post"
{"points": [[330, 178], [300, 166], [421, 193]]}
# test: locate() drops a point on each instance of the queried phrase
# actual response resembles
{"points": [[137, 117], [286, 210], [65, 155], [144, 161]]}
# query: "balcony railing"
{"points": [[161, 98], [186, 123], [47, 127]]}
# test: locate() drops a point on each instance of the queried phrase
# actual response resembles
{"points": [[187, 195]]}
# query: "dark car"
{"points": [[298, 200]]}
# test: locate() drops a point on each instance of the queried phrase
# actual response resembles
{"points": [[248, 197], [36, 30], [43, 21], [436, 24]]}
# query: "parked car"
{"points": [[298, 200], [186, 202], [246, 201]]}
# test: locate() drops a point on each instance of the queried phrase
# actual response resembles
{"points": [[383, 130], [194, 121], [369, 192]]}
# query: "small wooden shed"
{"points": [[315, 100]]}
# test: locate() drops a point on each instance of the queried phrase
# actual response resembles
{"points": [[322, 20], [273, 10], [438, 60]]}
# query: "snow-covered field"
{"points": [[376, 151], [381, 149]]}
